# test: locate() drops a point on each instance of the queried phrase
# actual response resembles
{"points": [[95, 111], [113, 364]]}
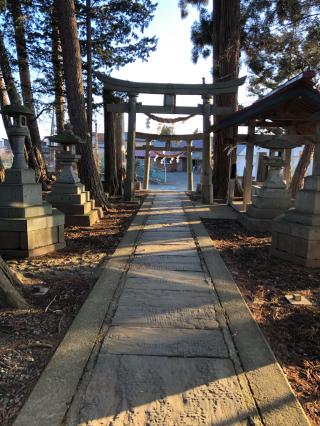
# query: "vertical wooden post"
{"points": [[316, 160], [207, 188], [287, 167], [189, 166], [131, 148], [106, 96], [232, 172], [147, 165], [247, 176]]}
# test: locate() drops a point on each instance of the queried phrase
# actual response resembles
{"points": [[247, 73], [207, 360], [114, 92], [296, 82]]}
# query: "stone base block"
{"points": [[265, 213], [271, 203], [26, 212], [88, 219], [74, 209], [207, 193], [296, 242], [65, 188], [20, 239], [255, 224], [40, 251], [20, 195], [14, 176], [75, 203]]}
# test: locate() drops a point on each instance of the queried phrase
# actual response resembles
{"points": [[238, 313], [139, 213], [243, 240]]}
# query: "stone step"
{"points": [[88, 219]]}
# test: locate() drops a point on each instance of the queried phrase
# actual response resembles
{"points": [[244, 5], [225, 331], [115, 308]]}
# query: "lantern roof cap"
{"points": [[16, 109], [66, 137]]}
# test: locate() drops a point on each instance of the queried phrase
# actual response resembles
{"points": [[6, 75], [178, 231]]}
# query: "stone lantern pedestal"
{"points": [[28, 225], [271, 200], [68, 194], [296, 233]]}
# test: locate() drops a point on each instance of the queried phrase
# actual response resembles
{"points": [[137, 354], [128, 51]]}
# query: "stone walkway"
{"points": [[165, 360], [164, 338]]}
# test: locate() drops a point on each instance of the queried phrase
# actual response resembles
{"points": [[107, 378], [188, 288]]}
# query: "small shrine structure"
{"points": [[29, 226], [291, 108], [169, 92]]}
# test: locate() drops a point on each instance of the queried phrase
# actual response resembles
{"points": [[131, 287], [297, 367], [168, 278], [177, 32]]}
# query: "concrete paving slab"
{"points": [[164, 241], [165, 342], [175, 264], [152, 283], [169, 235], [169, 267], [169, 227], [163, 309], [175, 276], [152, 390], [163, 248]]}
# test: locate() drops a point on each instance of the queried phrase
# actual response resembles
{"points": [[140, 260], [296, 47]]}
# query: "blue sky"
{"points": [[171, 63]]}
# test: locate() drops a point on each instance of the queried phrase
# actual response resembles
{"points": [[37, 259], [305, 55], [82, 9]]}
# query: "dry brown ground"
{"points": [[292, 331], [29, 338]]}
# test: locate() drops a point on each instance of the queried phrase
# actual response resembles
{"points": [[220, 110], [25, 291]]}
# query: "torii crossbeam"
{"points": [[170, 91]]}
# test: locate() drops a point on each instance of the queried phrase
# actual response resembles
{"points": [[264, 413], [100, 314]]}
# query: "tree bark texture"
{"points": [[226, 56], [7, 73], [10, 297], [58, 74], [72, 65], [89, 65], [2, 171], [112, 186], [4, 100], [26, 90], [301, 169], [33, 153]]}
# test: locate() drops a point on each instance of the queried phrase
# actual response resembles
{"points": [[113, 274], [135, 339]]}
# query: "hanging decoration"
{"points": [[168, 120], [172, 155]]}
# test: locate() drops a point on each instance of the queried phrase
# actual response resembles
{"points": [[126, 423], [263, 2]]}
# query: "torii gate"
{"points": [[188, 138], [170, 91]]}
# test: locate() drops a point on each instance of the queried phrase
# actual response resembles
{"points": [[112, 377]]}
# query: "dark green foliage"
{"points": [[279, 39], [117, 32]]}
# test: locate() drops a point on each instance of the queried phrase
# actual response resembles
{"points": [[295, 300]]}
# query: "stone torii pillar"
{"points": [[131, 148], [147, 165], [189, 166], [207, 189], [247, 176]]}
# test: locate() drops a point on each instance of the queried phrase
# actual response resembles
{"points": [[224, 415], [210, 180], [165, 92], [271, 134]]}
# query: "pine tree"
{"points": [[66, 18], [221, 30], [278, 39]]}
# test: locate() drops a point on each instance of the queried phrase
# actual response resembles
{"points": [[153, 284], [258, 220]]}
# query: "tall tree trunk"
{"points": [[67, 23], [89, 65], [4, 100], [301, 169], [7, 73], [226, 56], [10, 297], [112, 185], [58, 74], [2, 171], [26, 90]]}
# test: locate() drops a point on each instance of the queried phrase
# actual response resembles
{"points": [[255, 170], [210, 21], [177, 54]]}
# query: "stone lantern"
{"points": [[17, 131], [271, 200], [28, 225], [296, 233], [68, 194]]}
